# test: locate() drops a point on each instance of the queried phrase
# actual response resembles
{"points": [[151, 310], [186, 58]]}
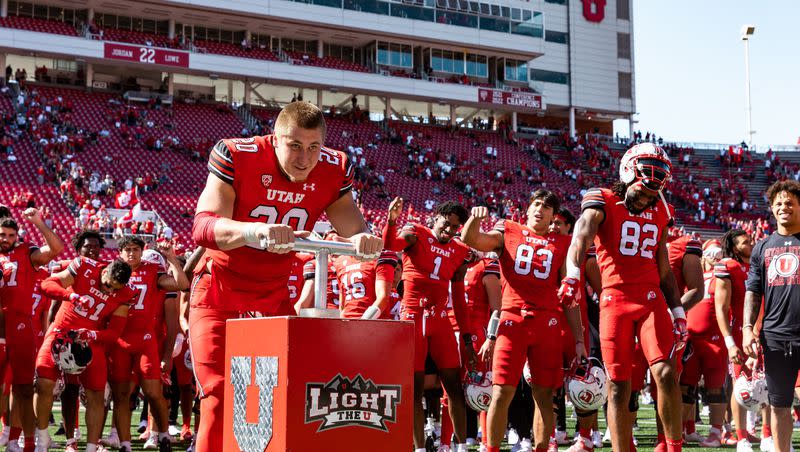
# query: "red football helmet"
{"points": [[648, 164]]}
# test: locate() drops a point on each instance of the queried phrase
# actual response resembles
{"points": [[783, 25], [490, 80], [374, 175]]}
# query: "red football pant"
{"points": [[21, 346], [535, 338], [709, 359], [626, 316], [434, 335], [135, 352]]}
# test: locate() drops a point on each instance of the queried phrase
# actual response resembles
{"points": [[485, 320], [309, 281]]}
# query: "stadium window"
{"points": [[136, 24], [505, 11], [623, 9], [540, 75], [227, 36], [162, 27], [485, 8], [516, 14], [474, 7], [212, 34], [25, 10], [526, 15], [558, 37], [625, 85], [557, 2], [624, 46], [40, 11], [516, 71], [477, 65], [495, 10], [124, 22]]}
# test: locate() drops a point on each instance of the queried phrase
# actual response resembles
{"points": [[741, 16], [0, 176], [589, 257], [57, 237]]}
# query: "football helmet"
{"points": [[648, 164], [478, 390], [586, 384], [751, 391], [526, 373], [70, 355], [154, 257]]}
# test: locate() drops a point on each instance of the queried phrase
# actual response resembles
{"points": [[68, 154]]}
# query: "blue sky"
{"points": [[689, 69]]}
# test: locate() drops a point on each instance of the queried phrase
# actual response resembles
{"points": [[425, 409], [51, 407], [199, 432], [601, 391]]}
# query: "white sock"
{"points": [[461, 448], [41, 433], [125, 444], [91, 448], [420, 449], [163, 435], [112, 432]]}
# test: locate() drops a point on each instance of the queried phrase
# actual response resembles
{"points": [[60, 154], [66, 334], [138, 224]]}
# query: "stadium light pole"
{"points": [[746, 32]]}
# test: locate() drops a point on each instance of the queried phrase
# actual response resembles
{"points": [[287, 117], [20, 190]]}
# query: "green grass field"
{"points": [[645, 433]]}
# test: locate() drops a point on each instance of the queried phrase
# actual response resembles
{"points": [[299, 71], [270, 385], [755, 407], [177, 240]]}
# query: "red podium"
{"points": [[306, 384]]}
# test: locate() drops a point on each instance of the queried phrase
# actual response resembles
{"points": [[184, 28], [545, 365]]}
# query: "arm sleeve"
{"points": [[593, 199], [349, 172], [694, 247], [755, 276], [492, 268], [75, 266], [309, 269], [220, 162], [721, 269], [51, 287], [113, 331], [384, 269]]}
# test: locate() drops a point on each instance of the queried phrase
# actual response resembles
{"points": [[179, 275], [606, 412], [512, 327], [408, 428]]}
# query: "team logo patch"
{"points": [[651, 295], [307, 187], [552, 322], [343, 402], [786, 264], [586, 396], [266, 180]]}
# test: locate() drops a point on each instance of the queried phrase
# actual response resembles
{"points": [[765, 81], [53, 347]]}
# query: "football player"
{"points": [[366, 287], [730, 275], [262, 190], [16, 294], [96, 310], [433, 263], [629, 224], [532, 262]]}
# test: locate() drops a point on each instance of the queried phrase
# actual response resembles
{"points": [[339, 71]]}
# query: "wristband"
{"points": [[249, 232], [491, 329], [678, 313], [573, 271], [371, 313], [749, 325], [729, 342], [2, 341]]}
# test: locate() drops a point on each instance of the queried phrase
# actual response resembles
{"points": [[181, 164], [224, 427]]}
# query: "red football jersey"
{"points": [[627, 243], [529, 267], [310, 268], [16, 289], [41, 303], [736, 272], [679, 248], [475, 292], [296, 276], [702, 318], [101, 306], [149, 303], [428, 268], [248, 278], [357, 282]]}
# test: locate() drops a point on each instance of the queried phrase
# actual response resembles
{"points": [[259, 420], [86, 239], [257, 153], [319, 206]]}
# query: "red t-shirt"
{"points": [[529, 267], [16, 289], [627, 243], [102, 305], [248, 278], [357, 282], [428, 267]]}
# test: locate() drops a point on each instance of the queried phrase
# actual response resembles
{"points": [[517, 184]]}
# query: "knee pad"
{"points": [[690, 395], [715, 397], [633, 403]]}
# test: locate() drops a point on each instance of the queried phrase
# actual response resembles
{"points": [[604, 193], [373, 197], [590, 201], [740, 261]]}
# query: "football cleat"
{"points": [[767, 444], [582, 445], [151, 443], [165, 444], [744, 446], [693, 437], [712, 441]]}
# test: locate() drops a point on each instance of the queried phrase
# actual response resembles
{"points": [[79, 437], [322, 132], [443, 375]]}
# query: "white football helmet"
{"points": [[154, 257], [648, 164], [526, 373], [586, 384], [478, 391], [70, 356], [751, 392]]}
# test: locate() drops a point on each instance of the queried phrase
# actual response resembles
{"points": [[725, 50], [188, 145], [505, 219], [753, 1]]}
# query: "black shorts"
{"points": [[781, 368]]}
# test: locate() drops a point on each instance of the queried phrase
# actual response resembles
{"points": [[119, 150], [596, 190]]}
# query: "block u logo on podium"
{"points": [[253, 437]]}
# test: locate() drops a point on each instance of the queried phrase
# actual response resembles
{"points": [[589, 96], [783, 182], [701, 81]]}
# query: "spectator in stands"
{"points": [[9, 72]]}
